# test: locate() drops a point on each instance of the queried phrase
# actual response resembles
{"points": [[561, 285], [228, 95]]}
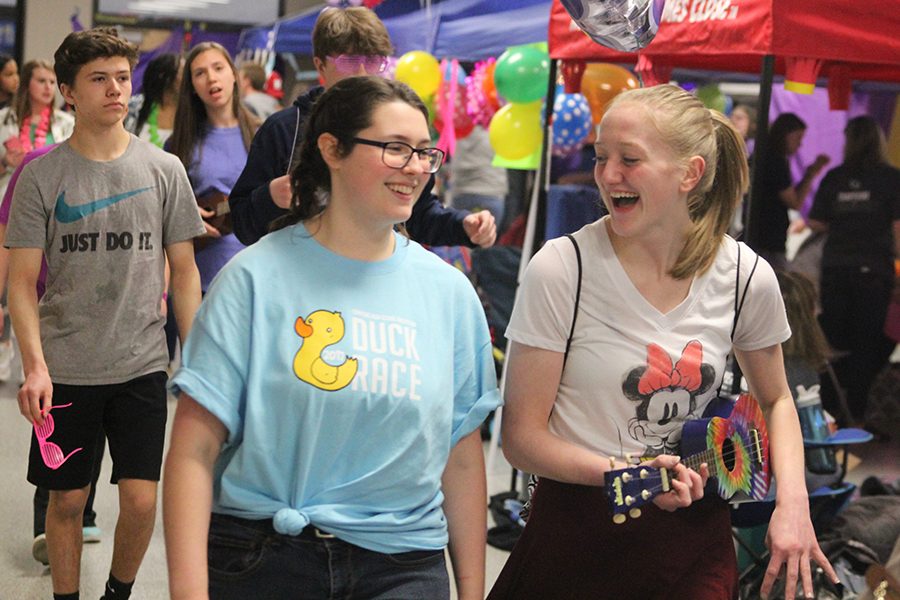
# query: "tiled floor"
{"points": [[23, 578]]}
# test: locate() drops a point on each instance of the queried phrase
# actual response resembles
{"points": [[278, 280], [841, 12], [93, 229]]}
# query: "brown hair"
{"points": [[21, 103], [354, 30], [784, 125], [690, 129], [864, 145], [343, 110], [81, 47], [255, 74], [807, 341], [751, 118], [190, 116]]}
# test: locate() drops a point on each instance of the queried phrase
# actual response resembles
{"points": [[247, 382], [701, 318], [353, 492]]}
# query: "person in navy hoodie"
{"points": [[346, 43]]}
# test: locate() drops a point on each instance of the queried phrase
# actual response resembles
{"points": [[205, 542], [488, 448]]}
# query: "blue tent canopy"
{"points": [[464, 29]]}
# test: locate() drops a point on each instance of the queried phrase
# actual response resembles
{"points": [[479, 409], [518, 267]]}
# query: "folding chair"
{"points": [[749, 520]]}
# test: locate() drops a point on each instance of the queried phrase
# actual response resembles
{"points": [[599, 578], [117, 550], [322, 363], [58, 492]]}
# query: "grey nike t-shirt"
{"points": [[103, 227]]}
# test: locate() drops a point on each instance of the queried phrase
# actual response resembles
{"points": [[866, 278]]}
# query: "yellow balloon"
{"points": [[515, 130], [420, 71]]}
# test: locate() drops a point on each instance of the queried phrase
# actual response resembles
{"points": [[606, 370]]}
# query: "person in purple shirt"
{"points": [[211, 136]]}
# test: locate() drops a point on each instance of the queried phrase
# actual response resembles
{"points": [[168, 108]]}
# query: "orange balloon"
{"points": [[601, 83], [488, 87]]}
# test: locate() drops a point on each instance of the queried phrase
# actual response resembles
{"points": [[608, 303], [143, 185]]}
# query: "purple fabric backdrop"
{"points": [[825, 127]]}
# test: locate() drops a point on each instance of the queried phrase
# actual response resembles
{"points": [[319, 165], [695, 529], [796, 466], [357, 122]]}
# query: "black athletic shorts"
{"points": [[132, 415]]}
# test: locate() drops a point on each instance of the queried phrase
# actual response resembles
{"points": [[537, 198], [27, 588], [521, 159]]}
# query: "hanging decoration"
{"points": [[651, 72], [572, 71], [801, 74], [840, 87], [451, 120], [623, 25], [479, 106]]}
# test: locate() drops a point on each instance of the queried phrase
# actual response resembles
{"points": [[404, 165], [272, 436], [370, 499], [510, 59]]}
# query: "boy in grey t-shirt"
{"points": [[107, 210]]}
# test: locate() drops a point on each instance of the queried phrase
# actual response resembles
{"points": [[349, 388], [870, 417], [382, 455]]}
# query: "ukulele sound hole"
{"points": [[728, 454]]}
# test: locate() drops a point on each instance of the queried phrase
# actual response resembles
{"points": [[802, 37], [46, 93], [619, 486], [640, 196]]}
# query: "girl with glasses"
{"points": [[331, 398]]}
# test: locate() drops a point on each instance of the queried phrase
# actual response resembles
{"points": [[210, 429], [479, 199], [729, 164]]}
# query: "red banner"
{"points": [[734, 35]]}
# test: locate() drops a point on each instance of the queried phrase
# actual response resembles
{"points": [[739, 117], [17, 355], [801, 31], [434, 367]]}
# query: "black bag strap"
{"points": [[738, 306], [577, 296], [738, 297], [532, 479]]}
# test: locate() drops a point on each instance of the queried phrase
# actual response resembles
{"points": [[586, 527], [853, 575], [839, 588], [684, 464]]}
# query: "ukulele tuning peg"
{"points": [[626, 477], [629, 500], [612, 463], [643, 473], [645, 494], [634, 513], [619, 519], [629, 458]]}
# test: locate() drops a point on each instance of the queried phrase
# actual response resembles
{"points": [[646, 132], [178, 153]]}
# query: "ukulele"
{"points": [[735, 448]]}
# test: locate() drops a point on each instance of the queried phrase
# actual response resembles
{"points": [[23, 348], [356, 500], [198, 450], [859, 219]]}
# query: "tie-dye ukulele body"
{"points": [[736, 449]]}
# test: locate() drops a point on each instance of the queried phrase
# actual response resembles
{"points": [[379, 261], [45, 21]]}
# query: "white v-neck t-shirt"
{"points": [[633, 374]]}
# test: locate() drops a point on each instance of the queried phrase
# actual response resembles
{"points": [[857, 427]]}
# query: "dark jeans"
{"points": [[249, 559], [42, 496], [854, 308]]}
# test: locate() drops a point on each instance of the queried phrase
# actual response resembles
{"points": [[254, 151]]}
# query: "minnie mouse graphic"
{"points": [[666, 395]]}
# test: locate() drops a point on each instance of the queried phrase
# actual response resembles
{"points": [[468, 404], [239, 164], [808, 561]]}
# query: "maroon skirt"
{"points": [[572, 550]]}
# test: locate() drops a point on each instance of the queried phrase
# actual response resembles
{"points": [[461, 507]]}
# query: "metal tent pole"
{"points": [[751, 227]]}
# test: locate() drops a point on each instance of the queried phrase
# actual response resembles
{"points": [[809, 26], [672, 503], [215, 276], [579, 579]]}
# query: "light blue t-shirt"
{"points": [[343, 385]]}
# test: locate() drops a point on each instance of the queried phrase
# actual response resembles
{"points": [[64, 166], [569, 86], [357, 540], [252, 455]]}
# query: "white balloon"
{"points": [[624, 25]]}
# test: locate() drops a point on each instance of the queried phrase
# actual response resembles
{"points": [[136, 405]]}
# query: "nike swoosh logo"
{"points": [[66, 213]]}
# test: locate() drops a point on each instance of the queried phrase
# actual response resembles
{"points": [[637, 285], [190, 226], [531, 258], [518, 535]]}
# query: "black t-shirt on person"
{"points": [[775, 177], [860, 209]]}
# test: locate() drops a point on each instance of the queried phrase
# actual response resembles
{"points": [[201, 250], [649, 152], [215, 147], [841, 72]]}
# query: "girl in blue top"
{"points": [[331, 395], [211, 137]]}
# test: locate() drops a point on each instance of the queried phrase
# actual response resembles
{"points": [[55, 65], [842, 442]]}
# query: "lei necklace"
{"points": [[153, 126], [40, 133]]}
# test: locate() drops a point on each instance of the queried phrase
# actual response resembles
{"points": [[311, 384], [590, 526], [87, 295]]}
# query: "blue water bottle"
{"points": [[815, 427]]}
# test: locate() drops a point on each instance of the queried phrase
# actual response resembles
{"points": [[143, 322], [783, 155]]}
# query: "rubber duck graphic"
{"points": [[321, 329]]}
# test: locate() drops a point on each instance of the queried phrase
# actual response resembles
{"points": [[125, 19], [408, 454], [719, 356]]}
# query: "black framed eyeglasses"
{"points": [[396, 155]]}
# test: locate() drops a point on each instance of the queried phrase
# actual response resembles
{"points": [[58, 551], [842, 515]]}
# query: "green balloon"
{"points": [[522, 74], [712, 97]]}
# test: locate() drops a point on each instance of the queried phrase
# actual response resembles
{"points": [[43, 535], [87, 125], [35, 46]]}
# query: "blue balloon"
{"points": [[729, 105], [571, 121]]}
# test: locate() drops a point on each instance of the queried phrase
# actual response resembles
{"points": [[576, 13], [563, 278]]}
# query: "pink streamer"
{"points": [[446, 106]]}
